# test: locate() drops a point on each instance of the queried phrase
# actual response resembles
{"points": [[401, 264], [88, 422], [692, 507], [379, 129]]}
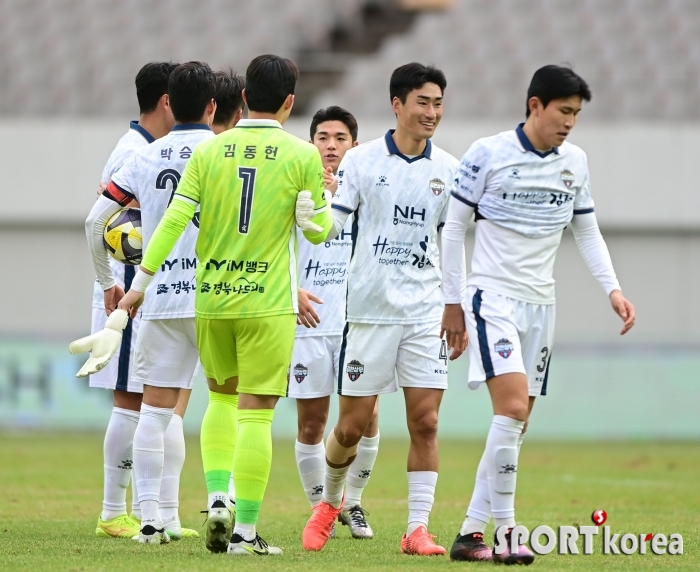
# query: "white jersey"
{"points": [[151, 177], [398, 202], [323, 271], [523, 199], [134, 139]]}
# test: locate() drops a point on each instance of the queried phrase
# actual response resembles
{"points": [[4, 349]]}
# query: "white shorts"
{"points": [[314, 367], [379, 358], [117, 373], [166, 353], [508, 336]]}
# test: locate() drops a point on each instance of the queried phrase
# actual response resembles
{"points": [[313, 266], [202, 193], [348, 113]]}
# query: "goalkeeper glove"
{"points": [[306, 210], [102, 344]]}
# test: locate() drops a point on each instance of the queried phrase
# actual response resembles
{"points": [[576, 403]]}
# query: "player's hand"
{"points": [[623, 308], [102, 188], [454, 330], [112, 297], [330, 180], [102, 344], [305, 211], [307, 315], [131, 302]]}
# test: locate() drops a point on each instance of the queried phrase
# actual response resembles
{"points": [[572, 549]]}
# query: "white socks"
{"points": [[421, 495], [149, 444], [173, 461], [502, 467], [118, 460], [311, 461], [361, 469]]}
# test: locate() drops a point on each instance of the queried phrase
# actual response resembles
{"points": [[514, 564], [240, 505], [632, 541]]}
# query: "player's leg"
{"points": [[359, 383], [264, 353], [353, 515]]}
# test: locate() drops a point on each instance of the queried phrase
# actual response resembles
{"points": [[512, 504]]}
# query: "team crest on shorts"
{"points": [[354, 370], [504, 348], [437, 186], [567, 177], [300, 372]]}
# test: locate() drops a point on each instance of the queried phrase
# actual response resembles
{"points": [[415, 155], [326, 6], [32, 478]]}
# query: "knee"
{"points": [[348, 434], [424, 427], [515, 409], [311, 430]]}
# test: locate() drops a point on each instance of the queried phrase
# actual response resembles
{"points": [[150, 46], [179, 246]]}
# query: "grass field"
{"points": [[51, 490]]}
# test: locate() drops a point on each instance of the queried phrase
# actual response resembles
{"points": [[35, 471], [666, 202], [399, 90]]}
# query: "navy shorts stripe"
{"points": [[543, 391], [341, 358], [481, 334], [125, 349]]}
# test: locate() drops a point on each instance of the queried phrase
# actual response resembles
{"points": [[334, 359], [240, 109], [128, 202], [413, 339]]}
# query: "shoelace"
{"points": [[357, 516], [207, 511], [258, 540]]}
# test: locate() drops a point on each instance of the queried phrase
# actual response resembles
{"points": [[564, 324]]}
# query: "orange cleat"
{"points": [[421, 543], [319, 527]]}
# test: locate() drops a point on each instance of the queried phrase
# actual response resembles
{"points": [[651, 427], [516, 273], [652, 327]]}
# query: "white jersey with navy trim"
{"points": [[323, 271], [133, 140], [399, 203], [523, 199], [151, 176]]}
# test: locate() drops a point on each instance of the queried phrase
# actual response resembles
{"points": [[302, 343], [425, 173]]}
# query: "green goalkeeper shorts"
{"points": [[257, 350]]}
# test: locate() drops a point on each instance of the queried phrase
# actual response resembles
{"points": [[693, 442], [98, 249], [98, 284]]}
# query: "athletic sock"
{"points": [[502, 467], [251, 463], [421, 496], [231, 488], [479, 512], [118, 460], [338, 461], [218, 441], [311, 459], [149, 441], [361, 470], [173, 461]]}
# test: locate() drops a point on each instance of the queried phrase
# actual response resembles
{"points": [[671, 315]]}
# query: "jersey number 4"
{"points": [[247, 175], [172, 176]]}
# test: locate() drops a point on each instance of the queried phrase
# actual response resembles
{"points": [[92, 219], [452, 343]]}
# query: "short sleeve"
{"points": [[583, 202], [471, 175], [347, 197], [189, 187]]}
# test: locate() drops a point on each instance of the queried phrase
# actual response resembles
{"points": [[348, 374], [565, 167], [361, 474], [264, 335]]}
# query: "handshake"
{"points": [[306, 210]]}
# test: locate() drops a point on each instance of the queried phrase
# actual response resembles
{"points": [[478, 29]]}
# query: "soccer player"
{"points": [[316, 353], [166, 353], [229, 101], [524, 187], [155, 121], [246, 183], [395, 187]]}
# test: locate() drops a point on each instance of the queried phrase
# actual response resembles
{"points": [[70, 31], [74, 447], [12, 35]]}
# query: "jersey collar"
{"points": [[188, 126], [145, 134], [392, 149], [528, 146], [258, 123]]}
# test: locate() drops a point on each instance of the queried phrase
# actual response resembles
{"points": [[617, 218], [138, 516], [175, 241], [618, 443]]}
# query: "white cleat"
{"points": [[151, 535], [239, 546], [355, 518], [218, 527]]}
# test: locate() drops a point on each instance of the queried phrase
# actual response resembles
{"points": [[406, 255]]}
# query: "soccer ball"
{"points": [[123, 238]]}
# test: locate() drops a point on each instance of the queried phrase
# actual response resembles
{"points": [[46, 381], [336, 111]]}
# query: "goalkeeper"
{"points": [[245, 182]]}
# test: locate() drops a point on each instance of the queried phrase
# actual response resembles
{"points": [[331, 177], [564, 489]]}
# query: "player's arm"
{"points": [[176, 218], [346, 198], [313, 208]]}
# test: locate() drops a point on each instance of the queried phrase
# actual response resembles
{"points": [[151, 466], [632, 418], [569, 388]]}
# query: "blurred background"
{"points": [[67, 93]]}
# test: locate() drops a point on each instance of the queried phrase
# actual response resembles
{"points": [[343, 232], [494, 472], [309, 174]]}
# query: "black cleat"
{"points": [[523, 555], [471, 548]]}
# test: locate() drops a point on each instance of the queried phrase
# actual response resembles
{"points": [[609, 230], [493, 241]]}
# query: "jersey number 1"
{"points": [[247, 175]]}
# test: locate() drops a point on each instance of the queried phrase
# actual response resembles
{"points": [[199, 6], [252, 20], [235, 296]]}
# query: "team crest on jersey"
{"points": [[354, 370], [567, 177], [300, 372], [437, 186], [504, 348]]}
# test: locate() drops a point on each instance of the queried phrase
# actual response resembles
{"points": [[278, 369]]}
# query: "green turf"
{"points": [[51, 490]]}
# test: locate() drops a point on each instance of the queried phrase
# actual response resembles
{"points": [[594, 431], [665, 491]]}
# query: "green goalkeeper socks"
{"points": [[218, 440], [252, 461]]}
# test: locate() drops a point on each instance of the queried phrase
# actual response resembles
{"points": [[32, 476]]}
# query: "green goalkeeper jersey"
{"points": [[245, 182]]}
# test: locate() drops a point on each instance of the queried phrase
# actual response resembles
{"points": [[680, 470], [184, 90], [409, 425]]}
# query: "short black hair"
{"points": [[191, 87], [556, 82], [152, 84], [334, 113], [229, 96], [268, 81], [414, 76]]}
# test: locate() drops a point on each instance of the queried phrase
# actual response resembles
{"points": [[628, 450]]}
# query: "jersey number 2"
{"points": [[247, 175], [174, 177]]}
